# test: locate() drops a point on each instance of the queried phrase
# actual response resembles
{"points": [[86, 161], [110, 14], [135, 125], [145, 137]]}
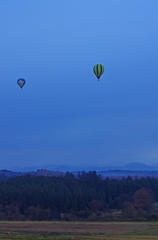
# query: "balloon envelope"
{"points": [[21, 82], [98, 70]]}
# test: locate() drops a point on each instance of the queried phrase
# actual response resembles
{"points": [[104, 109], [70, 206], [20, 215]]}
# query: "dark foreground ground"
{"points": [[78, 230]]}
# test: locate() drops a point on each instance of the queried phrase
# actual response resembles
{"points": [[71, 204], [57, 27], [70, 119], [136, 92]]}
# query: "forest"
{"points": [[85, 196]]}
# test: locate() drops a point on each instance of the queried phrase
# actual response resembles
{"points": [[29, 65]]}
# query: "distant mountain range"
{"points": [[138, 166], [131, 169], [63, 168]]}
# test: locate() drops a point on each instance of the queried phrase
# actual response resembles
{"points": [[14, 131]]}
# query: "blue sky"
{"points": [[63, 115]]}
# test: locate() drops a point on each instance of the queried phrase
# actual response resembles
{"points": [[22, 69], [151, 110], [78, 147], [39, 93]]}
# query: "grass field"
{"points": [[78, 230]]}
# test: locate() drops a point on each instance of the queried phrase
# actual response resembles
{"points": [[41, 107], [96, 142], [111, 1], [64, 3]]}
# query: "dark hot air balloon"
{"points": [[21, 82]]}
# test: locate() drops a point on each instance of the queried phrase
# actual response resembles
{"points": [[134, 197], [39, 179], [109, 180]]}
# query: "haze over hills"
{"points": [[132, 169], [63, 168], [138, 166]]}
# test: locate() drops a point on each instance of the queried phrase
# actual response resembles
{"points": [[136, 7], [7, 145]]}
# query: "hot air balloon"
{"points": [[98, 70], [21, 82]]}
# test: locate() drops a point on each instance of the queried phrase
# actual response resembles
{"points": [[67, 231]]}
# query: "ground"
{"points": [[78, 230]]}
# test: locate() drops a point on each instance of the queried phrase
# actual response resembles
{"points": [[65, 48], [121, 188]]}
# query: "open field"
{"points": [[78, 230]]}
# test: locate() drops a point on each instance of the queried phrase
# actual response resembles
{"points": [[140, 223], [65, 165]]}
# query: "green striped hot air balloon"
{"points": [[98, 70]]}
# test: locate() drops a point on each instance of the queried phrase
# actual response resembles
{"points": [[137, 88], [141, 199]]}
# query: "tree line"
{"points": [[85, 196]]}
